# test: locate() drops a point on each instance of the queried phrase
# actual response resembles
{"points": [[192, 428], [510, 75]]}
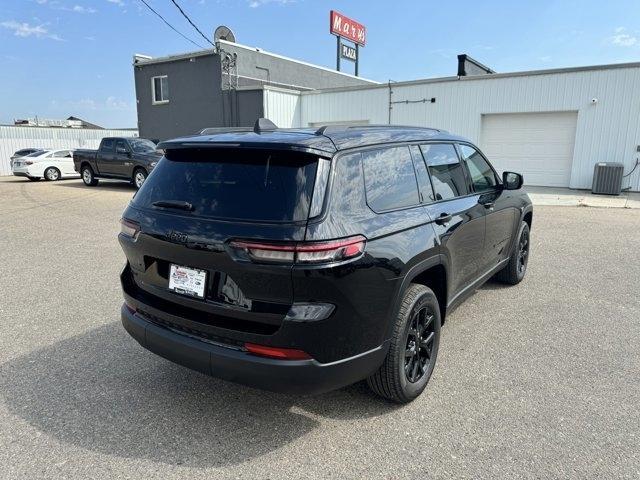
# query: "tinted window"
{"points": [[37, 153], [242, 184], [390, 181], [121, 146], [26, 151], [482, 176], [107, 145], [446, 171], [424, 183], [141, 145]]}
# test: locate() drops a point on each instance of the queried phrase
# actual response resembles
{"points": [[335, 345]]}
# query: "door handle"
{"points": [[489, 205], [443, 218]]}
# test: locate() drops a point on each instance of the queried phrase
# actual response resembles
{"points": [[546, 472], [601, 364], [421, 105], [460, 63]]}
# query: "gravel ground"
{"points": [[534, 381]]}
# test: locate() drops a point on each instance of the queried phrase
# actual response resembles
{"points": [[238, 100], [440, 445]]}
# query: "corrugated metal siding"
{"points": [[607, 131], [13, 138], [282, 107]]}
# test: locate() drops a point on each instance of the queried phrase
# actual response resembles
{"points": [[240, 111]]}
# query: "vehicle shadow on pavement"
{"points": [[101, 391], [111, 186]]}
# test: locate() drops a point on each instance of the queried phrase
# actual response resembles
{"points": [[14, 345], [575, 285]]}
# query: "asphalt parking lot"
{"points": [[540, 380]]}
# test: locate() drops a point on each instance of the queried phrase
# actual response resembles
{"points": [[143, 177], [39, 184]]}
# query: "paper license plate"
{"points": [[187, 281]]}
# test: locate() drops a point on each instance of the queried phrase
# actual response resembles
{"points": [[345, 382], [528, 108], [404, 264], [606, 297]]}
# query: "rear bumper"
{"points": [[20, 174], [237, 365]]}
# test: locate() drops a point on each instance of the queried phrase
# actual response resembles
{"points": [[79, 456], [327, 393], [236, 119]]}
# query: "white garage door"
{"points": [[538, 145]]}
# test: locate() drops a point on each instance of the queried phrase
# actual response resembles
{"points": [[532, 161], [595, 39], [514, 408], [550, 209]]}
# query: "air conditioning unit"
{"points": [[607, 178]]}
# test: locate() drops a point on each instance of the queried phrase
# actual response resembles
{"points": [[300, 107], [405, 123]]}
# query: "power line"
{"points": [[171, 26], [192, 24]]}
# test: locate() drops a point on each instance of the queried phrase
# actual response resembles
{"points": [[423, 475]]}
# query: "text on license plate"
{"points": [[187, 281]]}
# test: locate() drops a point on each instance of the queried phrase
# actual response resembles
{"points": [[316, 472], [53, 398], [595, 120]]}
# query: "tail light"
{"points": [[129, 228], [301, 252], [28, 162], [277, 353]]}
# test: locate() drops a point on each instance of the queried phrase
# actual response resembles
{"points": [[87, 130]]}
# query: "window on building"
{"points": [[447, 174], [390, 180], [482, 175], [160, 87]]}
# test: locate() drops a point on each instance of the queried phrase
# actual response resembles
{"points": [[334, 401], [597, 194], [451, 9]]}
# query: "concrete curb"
{"points": [[581, 198]]}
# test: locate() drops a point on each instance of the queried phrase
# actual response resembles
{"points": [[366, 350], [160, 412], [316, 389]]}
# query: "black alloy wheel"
{"points": [[418, 351], [523, 251]]}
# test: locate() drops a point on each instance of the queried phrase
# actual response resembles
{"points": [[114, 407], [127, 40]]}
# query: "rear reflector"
{"points": [[131, 308], [275, 352], [301, 252], [129, 228]]}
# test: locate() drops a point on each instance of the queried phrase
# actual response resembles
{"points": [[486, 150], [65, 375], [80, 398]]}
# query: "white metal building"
{"points": [[14, 138], [551, 125]]}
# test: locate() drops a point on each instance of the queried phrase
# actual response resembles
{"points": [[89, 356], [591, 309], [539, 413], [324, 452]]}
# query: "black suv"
{"points": [[306, 260]]}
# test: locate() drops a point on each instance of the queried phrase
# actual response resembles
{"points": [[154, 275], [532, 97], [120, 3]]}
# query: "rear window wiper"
{"points": [[177, 204]]}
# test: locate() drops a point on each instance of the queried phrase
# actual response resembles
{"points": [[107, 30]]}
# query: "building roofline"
{"points": [[267, 86], [301, 62], [141, 60], [480, 78]]}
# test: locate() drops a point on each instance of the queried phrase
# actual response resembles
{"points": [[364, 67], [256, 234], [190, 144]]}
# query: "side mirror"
{"points": [[512, 181]]}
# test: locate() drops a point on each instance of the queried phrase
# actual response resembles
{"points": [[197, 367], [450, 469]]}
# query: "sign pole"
{"points": [[338, 54], [357, 58]]}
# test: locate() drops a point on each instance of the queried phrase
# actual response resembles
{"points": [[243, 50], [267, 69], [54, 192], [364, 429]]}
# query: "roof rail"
{"points": [[264, 125], [336, 128], [214, 130], [331, 129]]}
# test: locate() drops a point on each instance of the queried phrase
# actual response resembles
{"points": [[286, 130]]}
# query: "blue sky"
{"points": [[73, 57]]}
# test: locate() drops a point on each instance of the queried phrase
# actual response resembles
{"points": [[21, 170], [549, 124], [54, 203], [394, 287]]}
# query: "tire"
{"points": [[34, 179], [139, 177], [52, 174], [395, 378], [516, 269], [88, 177]]}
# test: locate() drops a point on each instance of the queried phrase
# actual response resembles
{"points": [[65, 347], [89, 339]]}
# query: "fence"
{"points": [[13, 138]]}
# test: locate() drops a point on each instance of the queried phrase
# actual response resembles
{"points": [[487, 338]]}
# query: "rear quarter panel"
{"points": [[80, 156], [366, 289]]}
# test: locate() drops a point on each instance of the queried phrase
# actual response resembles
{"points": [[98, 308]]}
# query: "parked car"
{"points": [[48, 164], [303, 261], [121, 158], [23, 153]]}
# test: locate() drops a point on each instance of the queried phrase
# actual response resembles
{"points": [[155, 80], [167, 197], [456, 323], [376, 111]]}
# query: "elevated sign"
{"points": [[345, 27], [348, 52]]}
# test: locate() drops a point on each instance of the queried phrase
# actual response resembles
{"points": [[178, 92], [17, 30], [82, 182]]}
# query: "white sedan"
{"points": [[47, 164]]}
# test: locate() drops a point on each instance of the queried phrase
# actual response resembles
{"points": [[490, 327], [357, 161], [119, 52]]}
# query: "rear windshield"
{"points": [[240, 184], [37, 153], [140, 145]]}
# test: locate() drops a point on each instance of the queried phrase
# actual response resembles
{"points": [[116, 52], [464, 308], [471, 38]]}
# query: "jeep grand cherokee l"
{"points": [[306, 260]]}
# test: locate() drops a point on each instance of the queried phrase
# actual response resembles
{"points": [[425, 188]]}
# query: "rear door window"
{"points": [[447, 173], [390, 180], [235, 184], [424, 183]]}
